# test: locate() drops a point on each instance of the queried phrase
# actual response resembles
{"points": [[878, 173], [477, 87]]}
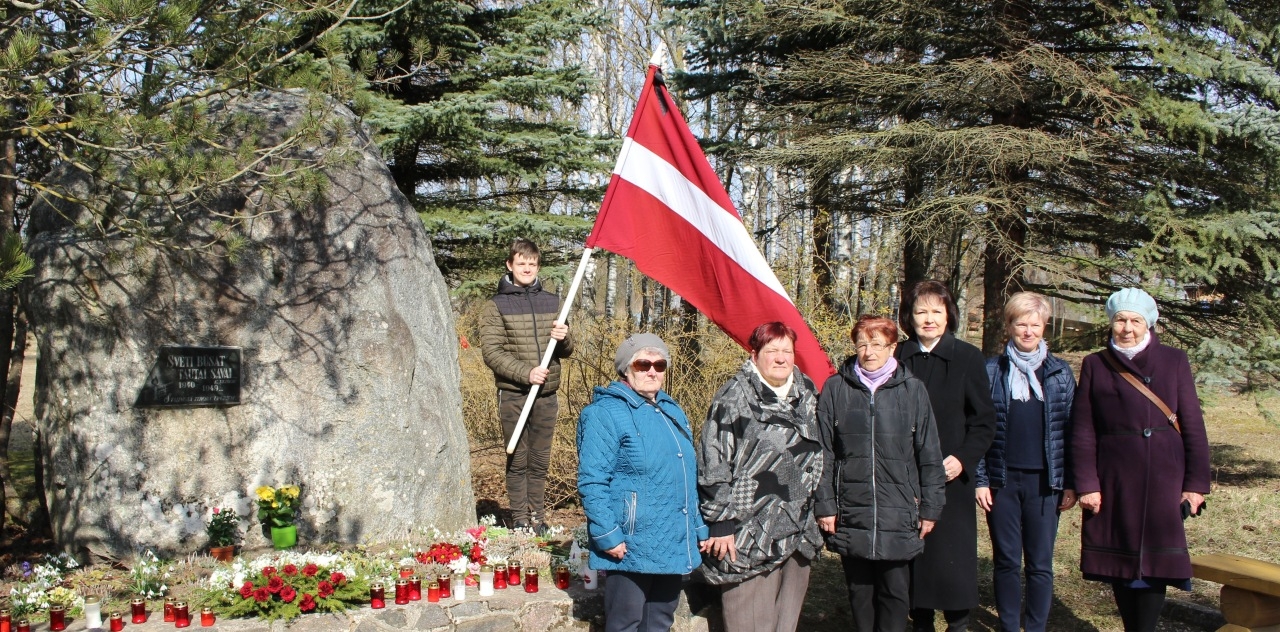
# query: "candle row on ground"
{"points": [[176, 612]]}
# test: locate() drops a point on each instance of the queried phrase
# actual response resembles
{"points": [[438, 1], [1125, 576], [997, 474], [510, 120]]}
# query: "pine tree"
{"points": [[1107, 143], [477, 107]]}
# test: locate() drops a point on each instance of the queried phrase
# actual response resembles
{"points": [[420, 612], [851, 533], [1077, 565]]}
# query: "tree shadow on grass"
{"points": [[1233, 466]]}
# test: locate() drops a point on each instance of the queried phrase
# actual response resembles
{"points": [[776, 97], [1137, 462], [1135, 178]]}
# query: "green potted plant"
{"points": [[223, 530], [276, 508]]}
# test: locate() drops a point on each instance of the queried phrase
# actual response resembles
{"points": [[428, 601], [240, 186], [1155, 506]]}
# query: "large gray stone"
{"points": [[433, 618], [397, 618], [350, 358], [319, 623], [542, 615], [492, 623], [469, 608]]}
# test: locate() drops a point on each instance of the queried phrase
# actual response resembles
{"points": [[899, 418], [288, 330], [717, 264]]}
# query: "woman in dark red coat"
{"points": [[1134, 469]]}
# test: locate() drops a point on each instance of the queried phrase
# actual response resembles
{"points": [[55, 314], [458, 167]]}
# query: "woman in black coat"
{"points": [[945, 576], [881, 489]]}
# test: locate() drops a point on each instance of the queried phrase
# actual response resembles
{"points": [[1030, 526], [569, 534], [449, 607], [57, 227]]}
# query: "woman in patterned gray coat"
{"points": [[759, 463]]}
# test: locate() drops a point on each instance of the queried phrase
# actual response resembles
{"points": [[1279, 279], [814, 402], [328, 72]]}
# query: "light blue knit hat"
{"points": [[1131, 299]]}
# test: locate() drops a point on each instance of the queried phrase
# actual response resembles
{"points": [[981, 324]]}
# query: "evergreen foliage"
{"points": [[477, 108], [122, 94], [1108, 142]]}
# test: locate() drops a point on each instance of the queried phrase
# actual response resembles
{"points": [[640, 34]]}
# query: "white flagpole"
{"points": [[551, 347]]}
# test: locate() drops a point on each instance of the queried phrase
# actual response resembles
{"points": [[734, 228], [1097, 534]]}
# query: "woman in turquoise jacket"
{"points": [[638, 480]]}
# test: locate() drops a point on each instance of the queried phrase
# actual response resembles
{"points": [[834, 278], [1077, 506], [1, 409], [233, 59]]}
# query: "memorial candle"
{"points": [[433, 592], [181, 615], [459, 587], [117, 622], [402, 591], [513, 573], [168, 609], [531, 580], [23, 626], [406, 572], [415, 588], [57, 618], [93, 613], [6, 621], [486, 581], [445, 587], [562, 577], [206, 617], [377, 596], [138, 609], [500, 577]]}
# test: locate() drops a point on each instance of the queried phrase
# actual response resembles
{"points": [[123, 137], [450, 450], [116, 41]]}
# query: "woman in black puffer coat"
{"points": [[882, 476]]}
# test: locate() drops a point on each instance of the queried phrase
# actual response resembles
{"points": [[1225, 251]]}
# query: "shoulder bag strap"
{"points": [[1142, 388]]}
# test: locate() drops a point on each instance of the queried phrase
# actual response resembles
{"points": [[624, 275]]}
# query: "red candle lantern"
{"points": [[415, 588], [377, 596], [23, 626], [500, 577], [433, 592], [138, 608], [562, 577], [531, 580], [6, 620], [206, 617], [513, 574], [402, 591], [181, 615], [443, 580], [117, 622], [57, 618], [406, 572], [168, 609]]}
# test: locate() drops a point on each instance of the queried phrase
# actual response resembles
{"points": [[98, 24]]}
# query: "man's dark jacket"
{"points": [[514, 329]]}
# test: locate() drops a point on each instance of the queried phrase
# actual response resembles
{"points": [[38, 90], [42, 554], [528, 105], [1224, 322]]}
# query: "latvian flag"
{"points": [[666, 210]]}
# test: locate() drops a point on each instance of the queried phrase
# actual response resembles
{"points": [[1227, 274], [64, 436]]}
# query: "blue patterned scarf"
{"points": [[1023, 381]]}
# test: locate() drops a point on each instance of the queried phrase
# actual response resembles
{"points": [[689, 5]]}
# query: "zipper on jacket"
{"points": [[875, 494], [631, 514], [690, 538]]}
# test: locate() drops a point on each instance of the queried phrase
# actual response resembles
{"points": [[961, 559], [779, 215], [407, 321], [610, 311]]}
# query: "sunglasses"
{"points": [[643, 366]]}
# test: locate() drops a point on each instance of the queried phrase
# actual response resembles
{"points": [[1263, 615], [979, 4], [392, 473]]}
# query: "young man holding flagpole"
{"points": [[515, 327]]}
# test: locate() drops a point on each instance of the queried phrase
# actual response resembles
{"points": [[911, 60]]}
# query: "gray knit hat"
{"points": [[629, 347], [1131, 299]]}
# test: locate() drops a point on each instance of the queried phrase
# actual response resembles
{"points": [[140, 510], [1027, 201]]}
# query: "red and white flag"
{"points": [[666, 210]]}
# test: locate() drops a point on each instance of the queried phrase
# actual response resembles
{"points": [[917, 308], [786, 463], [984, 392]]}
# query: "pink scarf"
{"points": [[875, 379]]}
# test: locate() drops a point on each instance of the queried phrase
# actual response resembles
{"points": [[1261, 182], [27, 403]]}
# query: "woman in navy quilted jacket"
{"points": [[637, 474], [1024, 480]]}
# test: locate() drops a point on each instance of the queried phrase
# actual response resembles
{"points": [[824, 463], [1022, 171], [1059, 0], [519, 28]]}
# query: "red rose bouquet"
{"points": [[290, 591]]}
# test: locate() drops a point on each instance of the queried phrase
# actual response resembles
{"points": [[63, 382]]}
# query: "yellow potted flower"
{"points": [[276, 508]]}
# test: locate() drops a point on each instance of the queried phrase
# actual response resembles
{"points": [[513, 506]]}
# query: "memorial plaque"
{"points": [[192, 377]]}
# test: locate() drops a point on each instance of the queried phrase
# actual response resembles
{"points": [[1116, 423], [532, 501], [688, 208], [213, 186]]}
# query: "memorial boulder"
{"points": [[327, 301]]}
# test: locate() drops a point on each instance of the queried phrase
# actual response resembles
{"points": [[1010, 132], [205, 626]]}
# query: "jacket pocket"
{"points": [[629, 502]]}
